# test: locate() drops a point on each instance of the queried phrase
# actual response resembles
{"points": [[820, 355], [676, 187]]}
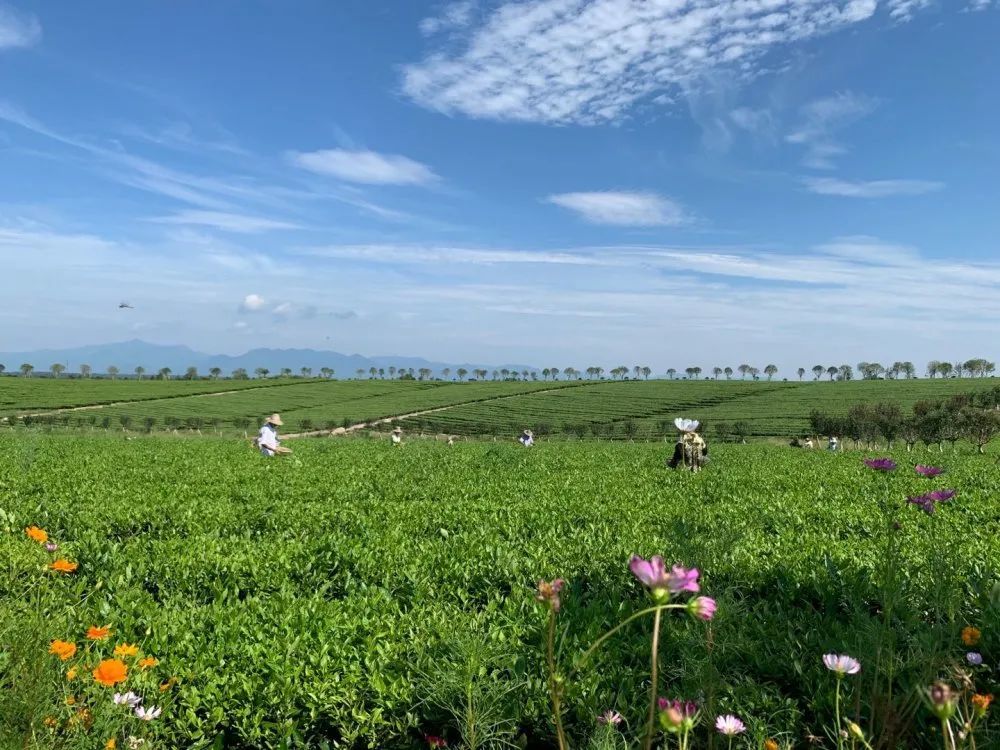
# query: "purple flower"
{"points": [[651, 573], [702, 607], [677, 715], [729, 725], [549, 593], [51, 546], [974, 658], [681, 579], [923, 502], [928, 471], [841, 664], [941, 496], [612, 718], [880, 464]]}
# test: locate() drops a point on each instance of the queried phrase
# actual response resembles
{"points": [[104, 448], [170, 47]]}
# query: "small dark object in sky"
{"points": [[122, 305]]}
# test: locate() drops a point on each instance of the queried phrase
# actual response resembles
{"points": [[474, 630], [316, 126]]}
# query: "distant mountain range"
{"points": [[127, 355]]}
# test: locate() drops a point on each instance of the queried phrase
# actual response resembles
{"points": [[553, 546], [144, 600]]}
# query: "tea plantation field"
{"points": [[361, 596]]}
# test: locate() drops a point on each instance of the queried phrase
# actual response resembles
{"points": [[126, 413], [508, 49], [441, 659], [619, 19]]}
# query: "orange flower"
{"points": [[98, 634], [50, 721], [63, 565], [147, 662], [63, 649], [126, 649], [110, 744], [70, 700], [970, 636], [37, 534], [770, 745], [981, 703], [110, 672], [71, 674]]}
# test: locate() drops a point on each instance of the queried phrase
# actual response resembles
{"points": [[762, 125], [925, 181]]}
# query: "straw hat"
{"points": [[275, 419], [398, 429], [529, 433]]}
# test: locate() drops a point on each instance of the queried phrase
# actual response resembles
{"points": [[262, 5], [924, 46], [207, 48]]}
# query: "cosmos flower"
{"points": [[612, 718], [129, 699], [841, 664], [928, 471], [702, 607], [880, 464], [148, 714], [729, 725]]}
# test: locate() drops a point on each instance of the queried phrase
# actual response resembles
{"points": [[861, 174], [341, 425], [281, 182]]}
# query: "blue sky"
{"points": [[564, 182]]}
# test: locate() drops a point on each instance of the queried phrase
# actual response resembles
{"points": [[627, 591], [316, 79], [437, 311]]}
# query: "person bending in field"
{"points": [[527, 439], [397, 436], [691, 450], [267, 439]]}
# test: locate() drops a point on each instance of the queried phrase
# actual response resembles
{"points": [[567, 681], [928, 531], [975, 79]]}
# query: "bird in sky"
{"points": [[123, 305]]}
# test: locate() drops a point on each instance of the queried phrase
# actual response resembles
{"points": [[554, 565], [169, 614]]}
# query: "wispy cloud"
{"points": [[438, 255], [366, 167], [252, 303], [983, 4], [238, 223], [904, 10], [820, 121], [580, 61], [453, 16], [870, 188], [622, 208], [18, 30]]}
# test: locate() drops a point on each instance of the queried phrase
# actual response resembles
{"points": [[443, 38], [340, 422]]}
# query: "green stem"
{"points": [[653, 679], [589, 652], [840, 738], [554, 686]]}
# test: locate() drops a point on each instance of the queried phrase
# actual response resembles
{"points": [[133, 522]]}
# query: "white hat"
{"points": [[275, 419], [686, 425], [397, 429]]}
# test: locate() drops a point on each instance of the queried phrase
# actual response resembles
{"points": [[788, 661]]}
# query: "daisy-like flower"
{"points": [[37, 534], [51, 546], [974, 658], [64, 566], [652, 573], [612, 718], [702, 607], [148, 714], [63, 649], [923, 502], [111, 744], [770, 744], [71, 674], [729, 725], [681, 579], [928, 471], [126, 649], [129, 699], [686, 425], [970, 635], [880, 464], [110, 672], [147, 662], [95, 633], [841, 664]]}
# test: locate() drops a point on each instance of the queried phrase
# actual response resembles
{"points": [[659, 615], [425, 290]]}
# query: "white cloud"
{"points": [[437, 255], [904, 10], [870, 188], [253, 303], [821, 119], [366, 167], [18, 30], [453, 16], [226, 222], [590, 61], [622, 208], [982, 4]]}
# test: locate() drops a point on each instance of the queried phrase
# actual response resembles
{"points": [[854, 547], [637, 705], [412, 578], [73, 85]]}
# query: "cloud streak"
{"points": [[227, 222], [622, 208], [871, 188], [365, 167], [18, 30]]}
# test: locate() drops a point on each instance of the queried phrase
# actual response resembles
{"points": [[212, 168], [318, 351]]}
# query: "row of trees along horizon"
{"points": [[865, 371]]}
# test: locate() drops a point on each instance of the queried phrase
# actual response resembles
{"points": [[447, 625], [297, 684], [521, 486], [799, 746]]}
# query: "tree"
{"points": [[845, 372], [57, 369], [446, 372], [671, 372], [697, 371], [191, 373], [392, 373], [817, 371], [85, 370], [832, 372], [945, 369], [372, 372], [286, 372], [636, 371], [239, 373], [754, 372], [554, 371], [461, 372], [424, 372], [728, 372], [741, 430], [716, 372], [980, 426], [743, 370], [2, 368], [545, 373], [933, 369], [27, 369], [113, 372], [800, 372], [164, 373], [327, 372], [306, 372], [771, 371], [646, 372], [139, 372], [215, 372], [381, 373]]}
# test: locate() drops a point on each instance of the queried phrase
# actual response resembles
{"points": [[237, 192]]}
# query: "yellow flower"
{"points": [[110, 672], [110, 744], [981, 703], [83, 716], [51, 722], [147, 662], [770, 745], [165, 686], [37, 534], [64, 566], [63, 649], [95, 633], [126, 649], [970, 636], [70, 700], [71, 674]]}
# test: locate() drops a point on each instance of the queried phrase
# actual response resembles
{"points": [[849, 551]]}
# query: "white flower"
{"points": [[135, 742], [686, 425], [148, 714], [129, 699]]}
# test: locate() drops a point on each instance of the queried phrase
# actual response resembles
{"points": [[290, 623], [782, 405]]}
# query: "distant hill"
{"points": [[127, 355]]}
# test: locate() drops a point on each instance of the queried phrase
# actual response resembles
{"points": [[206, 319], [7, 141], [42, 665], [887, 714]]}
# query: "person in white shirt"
{"points": [[833, 444], [267, 438], [527, 439], [397, 436]]}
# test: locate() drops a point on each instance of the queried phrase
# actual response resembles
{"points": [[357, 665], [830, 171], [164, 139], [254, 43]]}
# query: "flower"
{"points": [[611, 718], [681, 579], [165, 686], [923, 502], [110, 672], [434, 741], [676, 716], [110, 744], [147, 662], [63, 649], [135, 742], [51, 546], [943, 701], [148, 714], [974, 658], [770, 744], [928, 471], [841, 664], [70, 700], [37, 534], [927, 501], [970, 635], [941, 496], [95, 633], [981, 703], [63, 565], [71, 674], [126, 649], [880, 464], [549, 592], [702, 607], [729, 725], [129, 699], [50, 721], [855, 730], [651, 573]]}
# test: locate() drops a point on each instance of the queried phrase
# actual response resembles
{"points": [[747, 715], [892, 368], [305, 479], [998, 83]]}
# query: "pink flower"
{"points": [[841, 664], [928, 471], [941, 496], [702, 607], [549, 593], [434, 741], [729, 725], [612, 718], [651, 573], [880, 464], [51, 546], [677, 715], [148, 714], [680, 579]]}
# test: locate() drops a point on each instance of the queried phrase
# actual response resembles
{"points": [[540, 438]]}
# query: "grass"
{"points": [[360, 596]]}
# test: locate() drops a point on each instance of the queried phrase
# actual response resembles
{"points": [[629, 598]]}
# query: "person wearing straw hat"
{"points": [[527, 438], [691, 450], [267, 438], [397, 435]]}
